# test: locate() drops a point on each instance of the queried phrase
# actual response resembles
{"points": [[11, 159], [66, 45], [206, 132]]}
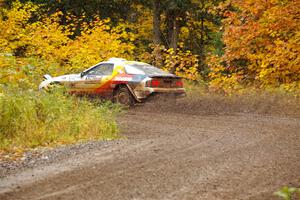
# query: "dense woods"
{"points": [[226, 44]]}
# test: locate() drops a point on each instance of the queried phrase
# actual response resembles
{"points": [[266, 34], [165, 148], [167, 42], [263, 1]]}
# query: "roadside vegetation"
{"points": [[31, 119], [288, 193], [226, 48]]}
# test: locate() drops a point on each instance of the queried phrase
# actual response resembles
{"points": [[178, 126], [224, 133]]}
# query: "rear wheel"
{"points": [[123, 96]]}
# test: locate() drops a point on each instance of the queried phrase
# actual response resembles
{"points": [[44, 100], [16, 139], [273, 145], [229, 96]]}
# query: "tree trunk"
{"points": [[156, 32], [2, 3], [202, 33], [172, 32]]}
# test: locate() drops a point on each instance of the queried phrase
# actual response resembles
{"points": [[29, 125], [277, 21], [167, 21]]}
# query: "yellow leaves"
{"points": [[98, 43], [45, 38], [264, 48], [184, 63], [14, 154], [184, 32], [221, 80], [291, 87], [47, 43]]}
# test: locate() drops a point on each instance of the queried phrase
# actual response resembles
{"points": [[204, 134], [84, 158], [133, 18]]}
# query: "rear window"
{"points": [[144, 69]]}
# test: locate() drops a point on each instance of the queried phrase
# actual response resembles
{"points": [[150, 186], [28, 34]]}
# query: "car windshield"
{"points": [[144, 69]]}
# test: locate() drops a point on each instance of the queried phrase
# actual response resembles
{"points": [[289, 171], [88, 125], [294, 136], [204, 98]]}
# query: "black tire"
{"points": [[123, 96]]}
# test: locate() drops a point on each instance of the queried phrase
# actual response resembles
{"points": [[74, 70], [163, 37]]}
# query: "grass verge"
{"points": [[30, 119]]}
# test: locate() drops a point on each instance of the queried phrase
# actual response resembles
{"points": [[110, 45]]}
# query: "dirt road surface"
{"points": [[174, 154]]}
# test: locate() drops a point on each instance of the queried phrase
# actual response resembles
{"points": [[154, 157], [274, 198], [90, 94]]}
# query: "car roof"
{"points": [[121, 61]]}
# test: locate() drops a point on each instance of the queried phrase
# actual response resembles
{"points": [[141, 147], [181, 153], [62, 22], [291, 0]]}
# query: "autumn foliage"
{"points": [[47, 46], [229, 44], [262, 45]]}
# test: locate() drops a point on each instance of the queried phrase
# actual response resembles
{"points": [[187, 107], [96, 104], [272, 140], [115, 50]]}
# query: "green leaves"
{"points": [[287, 193]]}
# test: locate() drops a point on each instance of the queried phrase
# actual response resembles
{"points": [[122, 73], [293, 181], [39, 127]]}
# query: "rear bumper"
{"points": [[146, 92]]}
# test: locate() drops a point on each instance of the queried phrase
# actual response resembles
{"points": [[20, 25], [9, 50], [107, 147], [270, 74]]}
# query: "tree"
{"points": [[262, 40], [156, 7], [203, 35]]}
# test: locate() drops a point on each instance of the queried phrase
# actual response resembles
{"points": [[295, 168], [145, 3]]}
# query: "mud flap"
{"points": [[133, 94]]}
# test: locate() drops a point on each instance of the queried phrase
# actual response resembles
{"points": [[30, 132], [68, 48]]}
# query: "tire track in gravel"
{"points": [[173, 155]]}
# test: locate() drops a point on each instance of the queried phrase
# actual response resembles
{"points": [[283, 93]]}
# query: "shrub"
{"points": [[262, 44], [26, 33], [287, 193]]}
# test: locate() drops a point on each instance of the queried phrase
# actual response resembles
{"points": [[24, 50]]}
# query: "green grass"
{"points": [[30, 119]]}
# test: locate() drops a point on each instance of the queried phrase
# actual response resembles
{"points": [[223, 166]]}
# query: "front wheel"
{"points": [[124, 97]]}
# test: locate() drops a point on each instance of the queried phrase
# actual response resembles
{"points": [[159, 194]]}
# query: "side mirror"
{"points": [[82, 74]]}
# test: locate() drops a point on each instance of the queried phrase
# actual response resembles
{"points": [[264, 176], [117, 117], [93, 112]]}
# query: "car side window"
{"points": [[105, 69]]}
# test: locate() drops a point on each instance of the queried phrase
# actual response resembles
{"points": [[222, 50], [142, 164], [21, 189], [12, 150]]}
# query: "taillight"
{"points": [[179, 83], [155, 83]]}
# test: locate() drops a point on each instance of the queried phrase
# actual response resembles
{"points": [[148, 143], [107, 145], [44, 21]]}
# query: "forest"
{"points": [[228, 45], [223, 46]]}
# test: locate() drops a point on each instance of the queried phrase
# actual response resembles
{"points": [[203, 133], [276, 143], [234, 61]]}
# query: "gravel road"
{"points": [[171, 154]]}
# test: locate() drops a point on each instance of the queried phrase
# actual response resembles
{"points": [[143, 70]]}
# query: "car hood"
{"points": [[59, 79], [69, 77]]}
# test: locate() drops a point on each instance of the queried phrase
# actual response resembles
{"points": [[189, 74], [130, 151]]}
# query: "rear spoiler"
{"points": [[47, 77]]}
